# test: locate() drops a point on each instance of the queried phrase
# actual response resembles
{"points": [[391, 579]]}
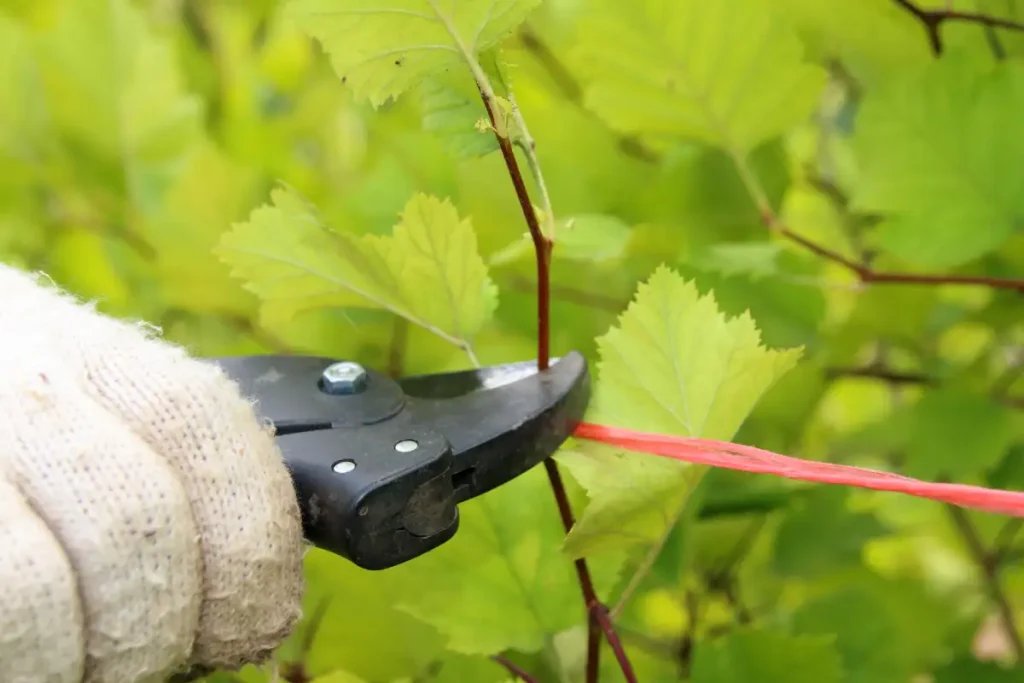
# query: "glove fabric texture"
{"points": [[147, 522]]}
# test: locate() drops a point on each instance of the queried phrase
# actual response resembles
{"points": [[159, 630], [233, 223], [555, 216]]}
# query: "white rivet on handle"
{"points": [[344, 466], [406, 446]]}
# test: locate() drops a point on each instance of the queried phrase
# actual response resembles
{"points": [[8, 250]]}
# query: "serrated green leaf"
{"points": [[673, 365], [938, 151], [381, 49], [452, 108], [767, 657], [820, 535], [428, 271], [454, 114], [634, 499], [503, 582], [692, 69]]}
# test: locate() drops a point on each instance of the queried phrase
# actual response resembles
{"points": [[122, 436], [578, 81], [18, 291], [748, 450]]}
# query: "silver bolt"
{"points": [[344, 378], [406, 446], [344, 466]]}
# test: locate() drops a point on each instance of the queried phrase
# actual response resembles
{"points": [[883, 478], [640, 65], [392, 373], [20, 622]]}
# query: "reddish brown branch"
{"points": [[881, 373], [514, 669], [541, 244], [869, 276], [597, 620], [932, 21], [990, 573]]}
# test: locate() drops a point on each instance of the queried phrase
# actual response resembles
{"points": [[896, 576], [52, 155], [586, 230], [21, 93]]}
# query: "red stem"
{"points": [[597, 619], [868, 276], [514, 669], [933, 19]]}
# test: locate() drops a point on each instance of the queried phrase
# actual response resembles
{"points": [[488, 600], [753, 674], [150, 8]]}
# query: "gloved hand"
{"points": [[147, 522]]}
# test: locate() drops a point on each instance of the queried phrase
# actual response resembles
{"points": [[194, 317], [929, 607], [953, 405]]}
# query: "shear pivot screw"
{"points": [[344, 378]]}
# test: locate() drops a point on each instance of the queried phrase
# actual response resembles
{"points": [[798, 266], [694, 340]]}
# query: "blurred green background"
{"points": [[134, 134]]}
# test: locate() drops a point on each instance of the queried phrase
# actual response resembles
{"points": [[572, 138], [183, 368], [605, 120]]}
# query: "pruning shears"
{"points": [[380, 465]]}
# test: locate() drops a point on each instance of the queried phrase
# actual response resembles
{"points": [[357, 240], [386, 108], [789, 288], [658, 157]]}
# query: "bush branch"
{"points": [[864, 273], [990, 571], [596, 617], [514, 669], [932, 21]]}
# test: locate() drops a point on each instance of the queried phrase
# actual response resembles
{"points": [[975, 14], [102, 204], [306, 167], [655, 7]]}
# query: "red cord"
{"points": [[749, 459]]}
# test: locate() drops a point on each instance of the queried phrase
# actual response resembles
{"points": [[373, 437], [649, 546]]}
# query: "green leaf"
{"points": [[756, 259], [452, 108], [954, 434], [873, 38], [673, 365], [381, 49], [591, 237], [938, 153], [729, 74], [502, 582], [428, 271], [767, 657], [821, 535], [885, 631]]}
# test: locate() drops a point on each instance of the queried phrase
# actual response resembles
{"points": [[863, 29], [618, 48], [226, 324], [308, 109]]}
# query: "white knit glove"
{"points": [[147, 522]]}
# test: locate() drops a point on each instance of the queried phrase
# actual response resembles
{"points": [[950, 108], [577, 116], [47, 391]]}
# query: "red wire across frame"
{"points": [[750, 459]]}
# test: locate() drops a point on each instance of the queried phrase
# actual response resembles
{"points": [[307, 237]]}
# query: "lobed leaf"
{"points": [[939, 151], [381, 49], [428, 271], [673, 365], [731, 74], [502, 582]]}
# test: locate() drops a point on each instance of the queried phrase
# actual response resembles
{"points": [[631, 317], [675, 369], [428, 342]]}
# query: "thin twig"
{"points": [[863, 272], [1004, 540], [882, 373], [514, 669], [542, 246], [932, 21], [598, 613], [990, 571], [396, 351]]}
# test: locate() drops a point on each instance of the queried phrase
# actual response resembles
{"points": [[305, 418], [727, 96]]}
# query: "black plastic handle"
{"points": [[378, 474]]}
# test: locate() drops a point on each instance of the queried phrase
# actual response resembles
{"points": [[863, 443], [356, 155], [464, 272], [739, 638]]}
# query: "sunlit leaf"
{"points": [[503, 581], [938, 159], [428, 271], [381, 49], [693, 69], [673, 365]]}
